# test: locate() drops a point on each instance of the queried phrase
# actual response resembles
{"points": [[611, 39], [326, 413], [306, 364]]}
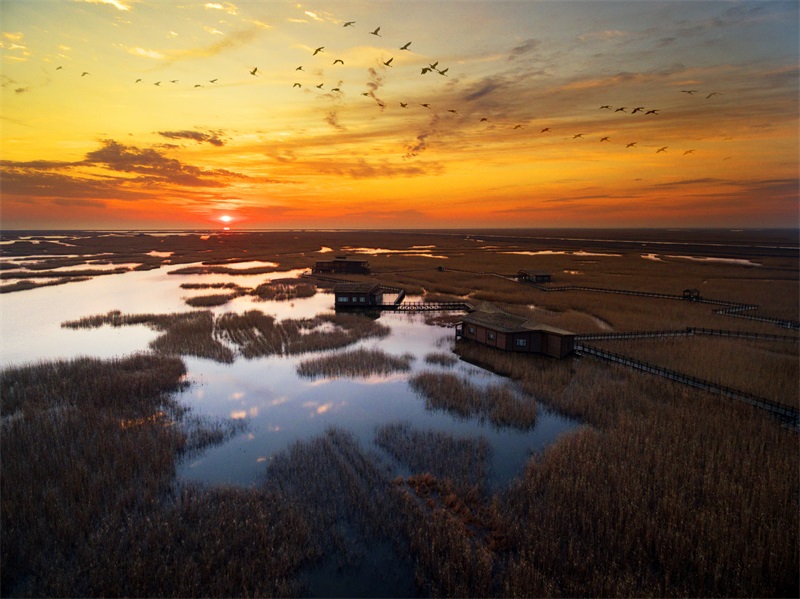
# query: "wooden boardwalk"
{"points": [[787, 414]]}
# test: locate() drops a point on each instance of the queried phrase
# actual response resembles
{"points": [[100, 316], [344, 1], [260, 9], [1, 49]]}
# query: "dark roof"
{"points": [[503, 322], [357, 288], [535, 273]]}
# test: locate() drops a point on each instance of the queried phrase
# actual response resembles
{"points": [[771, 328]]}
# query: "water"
{"points": [[279, 406]]}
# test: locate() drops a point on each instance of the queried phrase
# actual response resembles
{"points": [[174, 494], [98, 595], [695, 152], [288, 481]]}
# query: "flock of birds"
{"points": [[434, 68]]}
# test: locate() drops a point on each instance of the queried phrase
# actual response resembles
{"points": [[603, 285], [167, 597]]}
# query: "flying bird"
{"points": [[212, 80], [606, 106], [365, 93], [349, 24], [630, 145], [452, 110], [444, 72], [339, 60], [403, 105], [484, 120], [517, 126], [688, 152], [59, 68], [300, 68], [664, 149], [546, 129], [434, 65], [137, 81], [713, 94], [689, 91], [388, 63], [297, 85], [604, 139], [158, 83], [173, 81], [320, 86], [318, 50], [637, 109], [654, 111], [376, 32], [425, 70], [197, 85], [426, 105], [253, 72], [405, 46], [85, 73], [621, 109], [335, 89], [577, 135]]}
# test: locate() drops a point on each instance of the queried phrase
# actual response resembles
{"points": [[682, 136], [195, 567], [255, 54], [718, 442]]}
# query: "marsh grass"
{"points": [[89, 452], [498, 404], [441, 359], [25, 285], [283, 291], [253, 334], [356, 363], [207, 301], [462, 461]]}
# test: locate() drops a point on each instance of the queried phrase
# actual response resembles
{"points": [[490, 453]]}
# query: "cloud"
{"points": [[524, 48], [228, 7], [144, 52], [361, 169], [118, 4], [229, 42], [333, 120], [212, 137]]}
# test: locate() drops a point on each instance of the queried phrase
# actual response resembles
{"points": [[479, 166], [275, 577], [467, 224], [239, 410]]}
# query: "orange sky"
{"points": [[171, 128]]}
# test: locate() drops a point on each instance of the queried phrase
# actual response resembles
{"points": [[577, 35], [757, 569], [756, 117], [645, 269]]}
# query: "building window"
{"points": [[362, 299], [522, 342], [343, 299], [490, 335], [471, 330]]}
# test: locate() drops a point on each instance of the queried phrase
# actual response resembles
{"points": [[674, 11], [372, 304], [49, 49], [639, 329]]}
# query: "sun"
{"points": [[225, 218]]}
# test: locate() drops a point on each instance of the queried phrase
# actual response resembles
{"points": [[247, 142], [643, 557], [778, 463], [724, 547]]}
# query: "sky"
{"points": [[182, 114]]}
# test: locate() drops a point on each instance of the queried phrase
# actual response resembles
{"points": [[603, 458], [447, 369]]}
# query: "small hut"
{"points": [[495, 328], [342, 264], [691, 294], [357, 295], [533, 276]]}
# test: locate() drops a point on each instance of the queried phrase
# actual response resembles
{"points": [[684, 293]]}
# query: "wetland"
{"points": [[185, 414]]}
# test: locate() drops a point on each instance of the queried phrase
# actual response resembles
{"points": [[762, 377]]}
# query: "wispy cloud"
{"points": [[118, 4], [212, 137]]}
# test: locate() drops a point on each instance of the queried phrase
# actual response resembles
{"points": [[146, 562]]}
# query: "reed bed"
{"points": [[222, 270], [441, 359], [25, 285], [461, 461], [62, 274], [207, 301], [232, 286], [89, 504], [283, 291], [356, 363], [498, 404]]}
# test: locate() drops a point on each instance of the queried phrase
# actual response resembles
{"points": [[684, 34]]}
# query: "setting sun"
{"points": [[225, 218]]}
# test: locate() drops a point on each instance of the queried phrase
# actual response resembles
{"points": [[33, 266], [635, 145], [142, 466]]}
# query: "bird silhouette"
{"points": [[713, 94], [403, 105], [364, 93], [577, 135], [335, 89], [376, 32], [158, 83], [517, 126], [426, 105], [300, 68], [213, 80], [85, 73], [320, 86], [349, 24], [388, 63], [197, 85], [405, 46], [425, 70], [631, 145], [659, 150], [546, 129], [444, 71], [253, 72], [318, 50], [434, 65], [637, 109], [688, 152], [605, 139], [173, 81], [620, 109], [689, 91], [59, 68], [339, 60], [137, 81], [653, 111], [297, 85], [484, 120], [606, 106], [454, 111]]}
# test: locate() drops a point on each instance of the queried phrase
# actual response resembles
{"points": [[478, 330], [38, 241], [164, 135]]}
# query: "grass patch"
{"points": [[457, 395], [356, 363], [441, 359], [25, 285], [462, 461], [207, 301]]}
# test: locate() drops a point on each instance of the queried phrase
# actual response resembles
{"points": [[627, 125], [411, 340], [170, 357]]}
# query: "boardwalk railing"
{"points": [[687, 332], [786, 413], [426, 306]]}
